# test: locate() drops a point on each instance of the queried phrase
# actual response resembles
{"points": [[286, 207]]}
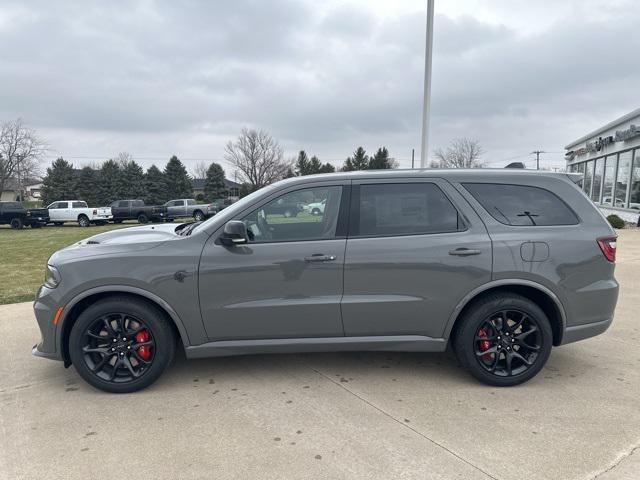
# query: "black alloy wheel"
{"points": [[198, 216], [118, 348], [503, 339], [507, 343], [83, 221], [16, 223], [121, 344]]}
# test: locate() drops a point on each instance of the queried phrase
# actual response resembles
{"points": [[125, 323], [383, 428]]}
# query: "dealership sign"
{"points": [[597, 145]]}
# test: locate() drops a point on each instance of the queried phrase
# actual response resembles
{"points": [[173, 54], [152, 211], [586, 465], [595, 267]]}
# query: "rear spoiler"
{"points": [[575, 177]]}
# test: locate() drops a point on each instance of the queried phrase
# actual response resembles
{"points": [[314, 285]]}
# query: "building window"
{"points": [[634, 199], [588, 177], [598, 172], [622, 179], [609, 174]]}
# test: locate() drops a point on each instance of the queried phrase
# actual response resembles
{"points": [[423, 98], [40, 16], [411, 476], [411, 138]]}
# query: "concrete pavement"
{"points": [[351, 415]]}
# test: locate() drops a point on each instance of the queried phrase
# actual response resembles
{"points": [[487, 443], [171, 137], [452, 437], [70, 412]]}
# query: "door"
{"points": [[415, 249], [58, 211], [174, 208], [286, 282]]}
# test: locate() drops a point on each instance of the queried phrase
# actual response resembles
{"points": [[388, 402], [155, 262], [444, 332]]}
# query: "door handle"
{"points": [[464, 252], [320, 257]]}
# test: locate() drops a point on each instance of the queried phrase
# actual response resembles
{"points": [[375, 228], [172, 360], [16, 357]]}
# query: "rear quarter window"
{"points": [[522, 205]]}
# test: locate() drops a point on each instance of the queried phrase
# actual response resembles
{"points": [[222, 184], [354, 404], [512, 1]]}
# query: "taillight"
{"points": [[608, 247]]}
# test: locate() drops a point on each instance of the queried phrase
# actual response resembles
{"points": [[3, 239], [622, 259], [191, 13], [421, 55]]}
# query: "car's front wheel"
{"points": [[503, 339], [121, 344]]}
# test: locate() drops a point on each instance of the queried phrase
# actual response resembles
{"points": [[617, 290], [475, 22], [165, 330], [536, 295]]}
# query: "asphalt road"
{"points": [[354, 415]]}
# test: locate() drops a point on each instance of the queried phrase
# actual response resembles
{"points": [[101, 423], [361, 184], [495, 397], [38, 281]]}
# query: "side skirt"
{"points": [[398, 343]]}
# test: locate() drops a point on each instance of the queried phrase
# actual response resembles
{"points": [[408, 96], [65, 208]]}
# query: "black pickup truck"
{"points": [[137, 210], [14, 214]]}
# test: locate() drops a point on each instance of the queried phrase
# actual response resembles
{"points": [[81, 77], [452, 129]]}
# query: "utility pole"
{"points": [[537, 154], [18, 160], [413, 158], [426, 108]]}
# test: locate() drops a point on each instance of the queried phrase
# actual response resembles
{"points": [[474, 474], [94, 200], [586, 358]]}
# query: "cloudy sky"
{"points": [[155, 78]]}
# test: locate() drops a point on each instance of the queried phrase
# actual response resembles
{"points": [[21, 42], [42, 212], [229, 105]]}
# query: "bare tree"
{"points": [[21, 150], [461, 153], [199, 170], [258, 158], [124, 158]]}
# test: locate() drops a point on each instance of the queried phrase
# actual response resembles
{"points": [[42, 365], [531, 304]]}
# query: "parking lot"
{"points": [[346, 415]]}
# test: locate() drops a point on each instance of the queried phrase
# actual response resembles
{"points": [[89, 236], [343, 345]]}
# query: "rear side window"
{"points": [[403, 209], [522, 205], [79, 205], [137, 203], [191, 202]]}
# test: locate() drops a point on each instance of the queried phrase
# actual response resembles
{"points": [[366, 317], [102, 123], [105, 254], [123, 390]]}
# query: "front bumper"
{"points": [[44, 308]]}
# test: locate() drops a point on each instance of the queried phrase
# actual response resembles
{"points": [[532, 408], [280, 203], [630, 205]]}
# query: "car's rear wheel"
{"points": [[16, 223], [142, 218], [121, 344], [503, 339], [198, 216], [83, 221], [315, 211]]}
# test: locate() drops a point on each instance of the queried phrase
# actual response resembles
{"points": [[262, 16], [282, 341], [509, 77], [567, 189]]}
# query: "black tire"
{"points": [[198, 216], [315, 211], [154, 321], [288, 214], [83, 221], [16, 223], [142, 218], [532, 337]]}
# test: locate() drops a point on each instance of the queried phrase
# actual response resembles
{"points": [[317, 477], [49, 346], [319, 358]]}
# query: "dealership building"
{"points": [[609, 160]]}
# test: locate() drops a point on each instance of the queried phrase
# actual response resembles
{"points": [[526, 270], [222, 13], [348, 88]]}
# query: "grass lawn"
{"points": [[24, 253]]}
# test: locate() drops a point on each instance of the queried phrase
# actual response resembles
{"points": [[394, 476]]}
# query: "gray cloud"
{"points": [[157, 78]]}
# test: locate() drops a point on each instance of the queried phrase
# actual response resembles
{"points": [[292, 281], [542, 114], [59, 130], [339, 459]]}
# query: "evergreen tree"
{"points": [[59, 182], [133, 184], [110, 186], [381, 160], [311, 166], [359, 161], [87, 183], [214, 186], [177, 179], [156, 188]]}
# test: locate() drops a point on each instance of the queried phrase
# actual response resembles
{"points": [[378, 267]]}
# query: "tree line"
{"points": [[124, 178]]}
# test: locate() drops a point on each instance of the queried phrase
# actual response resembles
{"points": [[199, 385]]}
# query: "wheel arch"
{"points": [[539, 294], [83, 300], [80, 215]]}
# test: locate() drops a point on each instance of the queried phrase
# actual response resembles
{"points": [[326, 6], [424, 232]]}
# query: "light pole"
{"points": [[426, 107]]}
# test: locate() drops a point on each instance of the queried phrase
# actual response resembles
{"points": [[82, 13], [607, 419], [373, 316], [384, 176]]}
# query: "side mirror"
{"points": [[234, 233]]}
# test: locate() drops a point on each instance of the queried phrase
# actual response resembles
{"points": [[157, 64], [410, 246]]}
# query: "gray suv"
{"points": [[500, 265]]}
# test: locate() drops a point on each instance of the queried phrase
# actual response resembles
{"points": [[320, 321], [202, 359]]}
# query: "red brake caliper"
{"points": [[484, 344], [145, 350]]}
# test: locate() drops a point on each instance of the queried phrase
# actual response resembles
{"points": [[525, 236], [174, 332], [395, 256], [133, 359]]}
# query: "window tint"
{"points": [[62, 205], [404, 209], [289, 218], [123, 204], [79, 205], [522, 205]]}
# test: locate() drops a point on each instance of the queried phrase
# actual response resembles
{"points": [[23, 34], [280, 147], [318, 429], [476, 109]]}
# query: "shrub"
{"points": [[616, 221]]}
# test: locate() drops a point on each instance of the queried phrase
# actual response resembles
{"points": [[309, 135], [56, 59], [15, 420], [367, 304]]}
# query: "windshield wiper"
{"points": [[188, 229]]}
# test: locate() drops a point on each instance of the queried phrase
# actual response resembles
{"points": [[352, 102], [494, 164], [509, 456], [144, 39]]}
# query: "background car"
{"points": [[78, 211], [187, 207], [14, 214], [137, 210]]}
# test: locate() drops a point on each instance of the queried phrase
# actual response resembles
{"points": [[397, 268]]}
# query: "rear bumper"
{"points": [[588, 330]]}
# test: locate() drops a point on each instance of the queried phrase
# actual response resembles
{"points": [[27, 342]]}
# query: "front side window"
{"points": [[522, 205], [286, 219], [404, 209]]}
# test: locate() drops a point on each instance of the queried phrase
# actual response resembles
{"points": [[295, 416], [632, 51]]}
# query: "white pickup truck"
{"points": [[78, 211]]}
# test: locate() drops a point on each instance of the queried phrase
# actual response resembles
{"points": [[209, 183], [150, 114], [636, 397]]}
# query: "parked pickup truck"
{"points": [[14, 214], [78, 211], [188, 207], [137, 210]]}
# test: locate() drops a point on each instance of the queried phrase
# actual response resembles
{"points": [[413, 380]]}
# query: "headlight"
{"points": [[51, 277]]}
